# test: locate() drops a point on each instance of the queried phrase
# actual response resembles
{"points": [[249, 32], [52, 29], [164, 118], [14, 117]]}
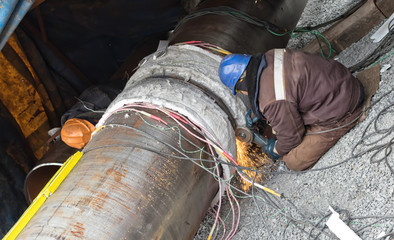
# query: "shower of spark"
{"points": [[251, 156]]}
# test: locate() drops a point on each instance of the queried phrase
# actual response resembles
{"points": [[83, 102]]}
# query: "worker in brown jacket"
{"points": [[310, 102]]}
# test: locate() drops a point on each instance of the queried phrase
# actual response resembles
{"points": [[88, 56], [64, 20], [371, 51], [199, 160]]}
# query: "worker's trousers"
{"points": [[313, 146]]}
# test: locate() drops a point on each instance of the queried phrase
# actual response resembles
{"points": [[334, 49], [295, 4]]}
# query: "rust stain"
{"points": [[125, 188], [116, 174], [120, 189], [78, 230], [128, 208], [99, 200], [84, 201], [138, 123]]}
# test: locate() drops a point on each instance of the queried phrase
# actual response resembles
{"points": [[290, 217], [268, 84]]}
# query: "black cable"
{"points": [[391, 25], [240, 15], [342, 16], [385, 45], [368, 225], [254, 200], [315, 226], [386, 235], [228, 11]]}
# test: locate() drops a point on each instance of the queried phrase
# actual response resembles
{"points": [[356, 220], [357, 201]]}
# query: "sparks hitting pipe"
{"points": [[136, 180]]}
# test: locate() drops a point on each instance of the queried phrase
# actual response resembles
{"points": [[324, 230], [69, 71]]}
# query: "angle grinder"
{"points": [[247, 135]]}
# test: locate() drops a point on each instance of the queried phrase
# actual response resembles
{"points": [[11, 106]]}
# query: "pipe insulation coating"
{"points": [[187, 63]]}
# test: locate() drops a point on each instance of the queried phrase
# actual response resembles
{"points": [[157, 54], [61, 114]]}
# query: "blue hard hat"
{"points": [[231, 68]]}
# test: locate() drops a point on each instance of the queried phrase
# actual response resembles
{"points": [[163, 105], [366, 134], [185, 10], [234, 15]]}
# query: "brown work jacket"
{"points": [[304, 89]]}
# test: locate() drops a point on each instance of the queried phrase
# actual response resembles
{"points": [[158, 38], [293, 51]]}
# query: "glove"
{"points": [[269, 149], [249, 120]]}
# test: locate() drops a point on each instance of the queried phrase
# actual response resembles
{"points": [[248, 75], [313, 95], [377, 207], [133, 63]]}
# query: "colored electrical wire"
{"points": [[217, 148], [233, 230], [208, 46], [176, 118], [180, 124]]}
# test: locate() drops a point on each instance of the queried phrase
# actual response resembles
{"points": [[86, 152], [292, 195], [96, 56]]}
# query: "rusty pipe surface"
{"points": [[129, 185], [240, 36]]}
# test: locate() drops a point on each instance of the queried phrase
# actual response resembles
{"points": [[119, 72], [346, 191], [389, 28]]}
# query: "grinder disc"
{"points": [[244, 134]]}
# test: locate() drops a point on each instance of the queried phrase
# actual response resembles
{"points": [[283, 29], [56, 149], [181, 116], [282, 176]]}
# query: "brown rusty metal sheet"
{"points": [[386, 7], [349, 30]]}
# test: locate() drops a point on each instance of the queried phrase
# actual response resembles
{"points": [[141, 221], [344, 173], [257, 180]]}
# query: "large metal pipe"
{"points": [[236, 35], [127, 186]]}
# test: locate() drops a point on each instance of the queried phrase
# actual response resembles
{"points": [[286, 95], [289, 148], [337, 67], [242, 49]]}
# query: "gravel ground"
{"points": [[361, 188]]}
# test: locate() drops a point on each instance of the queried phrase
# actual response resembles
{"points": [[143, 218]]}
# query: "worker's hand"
{"points": [[250, 120], [270, 149]]}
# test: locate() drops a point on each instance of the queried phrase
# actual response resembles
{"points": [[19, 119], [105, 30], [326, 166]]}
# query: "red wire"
{"points": [[158, 119], [178, 117], [229, 157], [191, 42]]}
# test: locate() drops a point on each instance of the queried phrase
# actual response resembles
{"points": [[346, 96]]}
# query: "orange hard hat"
{"points": [[77, 132]]}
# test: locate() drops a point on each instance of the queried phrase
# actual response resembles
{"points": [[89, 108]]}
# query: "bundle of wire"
{"points": [[207, 46], [212, 144]]}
